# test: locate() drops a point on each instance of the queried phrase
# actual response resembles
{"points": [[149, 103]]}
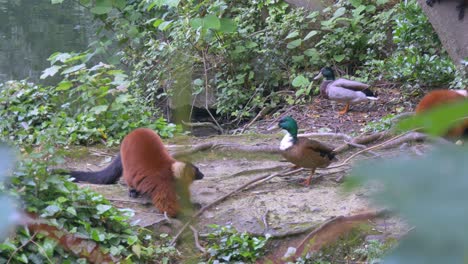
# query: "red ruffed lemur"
{"points": [[440, 97], [147, 167]]}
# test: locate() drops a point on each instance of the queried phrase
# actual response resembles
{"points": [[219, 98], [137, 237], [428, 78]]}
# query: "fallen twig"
{"points": [[265, 221], [259, 115], [222, 198], [197, 242]]}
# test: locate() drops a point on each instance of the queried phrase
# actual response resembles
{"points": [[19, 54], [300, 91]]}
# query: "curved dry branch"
{"points": [[222, 198], [224, 146]]}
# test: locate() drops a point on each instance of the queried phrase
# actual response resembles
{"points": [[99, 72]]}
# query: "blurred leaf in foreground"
{"points": [[8, 215], [431, 194], [438, 120]]}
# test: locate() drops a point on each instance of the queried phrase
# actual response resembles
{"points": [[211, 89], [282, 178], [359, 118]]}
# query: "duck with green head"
{"points": [[343, 90], [303, 152]]}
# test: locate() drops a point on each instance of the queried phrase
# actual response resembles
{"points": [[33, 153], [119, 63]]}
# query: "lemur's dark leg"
{"points": [[461, 8], [133, 193]]}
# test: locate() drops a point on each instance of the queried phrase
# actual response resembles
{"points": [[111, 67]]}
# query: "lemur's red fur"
{"points": [[148, 168], [440, 97]]}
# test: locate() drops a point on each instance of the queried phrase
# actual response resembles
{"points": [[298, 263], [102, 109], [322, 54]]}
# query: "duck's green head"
{"points": [[289, 124], [326, 73]]}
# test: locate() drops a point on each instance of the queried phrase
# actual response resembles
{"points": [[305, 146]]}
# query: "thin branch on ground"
{"points": [[328, 135], [222, 198], [20, 247], [265, 221], [197, 242]]}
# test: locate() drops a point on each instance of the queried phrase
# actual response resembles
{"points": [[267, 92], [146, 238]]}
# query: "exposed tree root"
{"points": [[323, 235], [224, 146]]}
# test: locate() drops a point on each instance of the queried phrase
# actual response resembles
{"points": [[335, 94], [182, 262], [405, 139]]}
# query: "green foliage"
{"points": [[89, 105], [437, 121], [226, 245], [427, 192], [381, 125], [81, 212], [418, 57]]}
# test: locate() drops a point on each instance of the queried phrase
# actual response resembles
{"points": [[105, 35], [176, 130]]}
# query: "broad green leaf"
{"points": [[198, 82], [293, 34], [429, 193], [102, 208], [339, 12], [137, 250], [120, 4], [294, 44], [51, 71], [339, 57], [438, 120], [356, 3], [311, 52], [56, 1], [51, 210], [59, 56], [164, 25], [370, 8], [157, 22], [98, 109], [300, 81], [228, 25], [64, 85], [382, 2], [102, 7], [97, 236], [71, 210], [211, 21], [196, 23], [74, 68], [311, 34]]}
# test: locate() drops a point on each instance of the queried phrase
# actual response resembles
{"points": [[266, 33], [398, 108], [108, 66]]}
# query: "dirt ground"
{"points": [[283, 203]]}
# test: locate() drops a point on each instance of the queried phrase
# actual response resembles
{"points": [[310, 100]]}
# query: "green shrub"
{"points": [[227, 245], [89, 105]]}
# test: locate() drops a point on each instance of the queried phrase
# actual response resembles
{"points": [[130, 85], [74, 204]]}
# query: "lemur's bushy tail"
{"points": [[108, 175]]}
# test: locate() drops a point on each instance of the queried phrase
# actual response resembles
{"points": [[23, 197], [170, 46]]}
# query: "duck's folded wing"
{"points": [[318, 146], [352, 85]]}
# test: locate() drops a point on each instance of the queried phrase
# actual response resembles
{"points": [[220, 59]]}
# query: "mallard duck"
{"points": [[301, 151], [342, 90]]}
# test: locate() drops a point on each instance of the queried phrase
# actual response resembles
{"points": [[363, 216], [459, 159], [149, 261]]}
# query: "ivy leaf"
{"points": [[51, 71], [97, 236], [102, 7], [137, 250], [51, 210], [294, 44], [311, 34], [71, 210], [300, 81], [102, 208], [339, 58], [56, 2]]}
